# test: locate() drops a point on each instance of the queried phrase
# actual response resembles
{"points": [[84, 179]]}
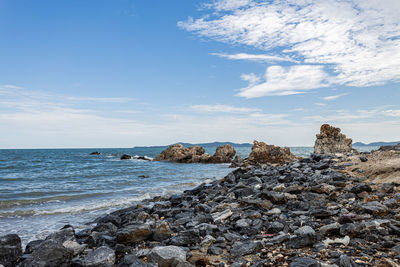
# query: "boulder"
{"points": [[263, 153], [331, 141], [133, 233], [49, 253], [102, 256], [10, 250], [125, 156], [95, 153], [181, 154], [165, 256], [223, 154]]}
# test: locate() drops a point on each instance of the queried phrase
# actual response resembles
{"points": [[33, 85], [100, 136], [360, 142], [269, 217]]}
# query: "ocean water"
{"points": [[41, 190]]}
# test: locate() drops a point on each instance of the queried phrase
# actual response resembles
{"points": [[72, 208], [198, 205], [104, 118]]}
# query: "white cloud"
{"points": [[10, 86], [222, 109], [333, 97], [254, 57], [320, 104], [287, 81], [358, 40]]}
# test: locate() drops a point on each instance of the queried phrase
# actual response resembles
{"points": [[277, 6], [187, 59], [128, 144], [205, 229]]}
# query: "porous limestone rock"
{"points": [[331, 141], [263, 153]]}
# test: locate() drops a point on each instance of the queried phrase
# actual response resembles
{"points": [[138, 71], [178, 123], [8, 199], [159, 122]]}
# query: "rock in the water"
{"points": [[125, 156], [179, 153], [331, 141], [95, 153], [10, 250], [223, 154], [133, 233], [263, 153], [100, 257], [165, 256], [49, 253]]}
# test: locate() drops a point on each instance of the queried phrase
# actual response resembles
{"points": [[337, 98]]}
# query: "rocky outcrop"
{"points": [[223, 154], [196, 154], [263, 153], [331, 141], [389, 148], [125, 156], [179, 153]]}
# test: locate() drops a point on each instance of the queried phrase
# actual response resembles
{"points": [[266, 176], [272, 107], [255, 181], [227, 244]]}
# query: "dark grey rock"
{"points": [[133, 233], [244, 248], [304, 237], [360, 188], [48, 254], [10, 250], [346, 261], [31, 246], [100, 257], [214, 250], [304, 262], [131, 260], [164, 256]]}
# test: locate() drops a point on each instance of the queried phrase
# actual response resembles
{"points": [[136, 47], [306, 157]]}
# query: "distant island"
{"points": [[213, 144], [377, 144]]}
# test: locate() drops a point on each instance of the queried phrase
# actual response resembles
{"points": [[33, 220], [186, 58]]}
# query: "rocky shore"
{"points": [[306, 212]]}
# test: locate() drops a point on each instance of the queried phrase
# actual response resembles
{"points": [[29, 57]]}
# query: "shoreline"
{"points": [[305, 211]]}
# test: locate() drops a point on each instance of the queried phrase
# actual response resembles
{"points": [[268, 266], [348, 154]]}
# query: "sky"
{"points": [[124, 73]]}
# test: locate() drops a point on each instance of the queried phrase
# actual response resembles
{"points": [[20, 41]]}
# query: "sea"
{"points": [[41, 190]]}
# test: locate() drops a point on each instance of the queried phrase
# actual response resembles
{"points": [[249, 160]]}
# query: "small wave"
{"points": [[82, 208], [6, 204]]}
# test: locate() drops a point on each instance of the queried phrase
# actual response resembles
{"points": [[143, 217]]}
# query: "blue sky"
{"points": [[124, 73]]}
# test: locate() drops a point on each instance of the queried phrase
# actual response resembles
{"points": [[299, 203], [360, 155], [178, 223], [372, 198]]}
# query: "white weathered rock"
{"points": [[165, 256], [220, 216]]}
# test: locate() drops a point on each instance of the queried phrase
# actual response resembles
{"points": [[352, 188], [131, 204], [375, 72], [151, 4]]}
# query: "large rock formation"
{"points": [[263, 153], [331, 141], [179, 153], [196, 154], [223, 154]]}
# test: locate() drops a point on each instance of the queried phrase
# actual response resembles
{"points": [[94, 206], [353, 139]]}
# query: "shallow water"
{"points": [[41, 190]]}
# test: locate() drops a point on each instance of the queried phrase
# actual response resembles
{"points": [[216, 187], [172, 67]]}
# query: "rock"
{"points": [[133, 233], [162, 231], [125, 156], [304, 237], [332, 228], [223, 154], [100, 257], [74, 246], [220, 216], [331, 141], [263, 153], [236, 162], [186, 238], [360, 188], [49, 253], [95, 153], [31, 246], [363, 159], [10, 250], [375, 208], [179, 153], [304, 262], [165, 256], [346, 261], [244, 248], [131, 260], [388, 148], [344, 241], [62, 235]]}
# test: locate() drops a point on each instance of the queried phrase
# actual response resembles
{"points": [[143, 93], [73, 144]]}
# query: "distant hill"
{"points": [[377, 144], [214, 144]]}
